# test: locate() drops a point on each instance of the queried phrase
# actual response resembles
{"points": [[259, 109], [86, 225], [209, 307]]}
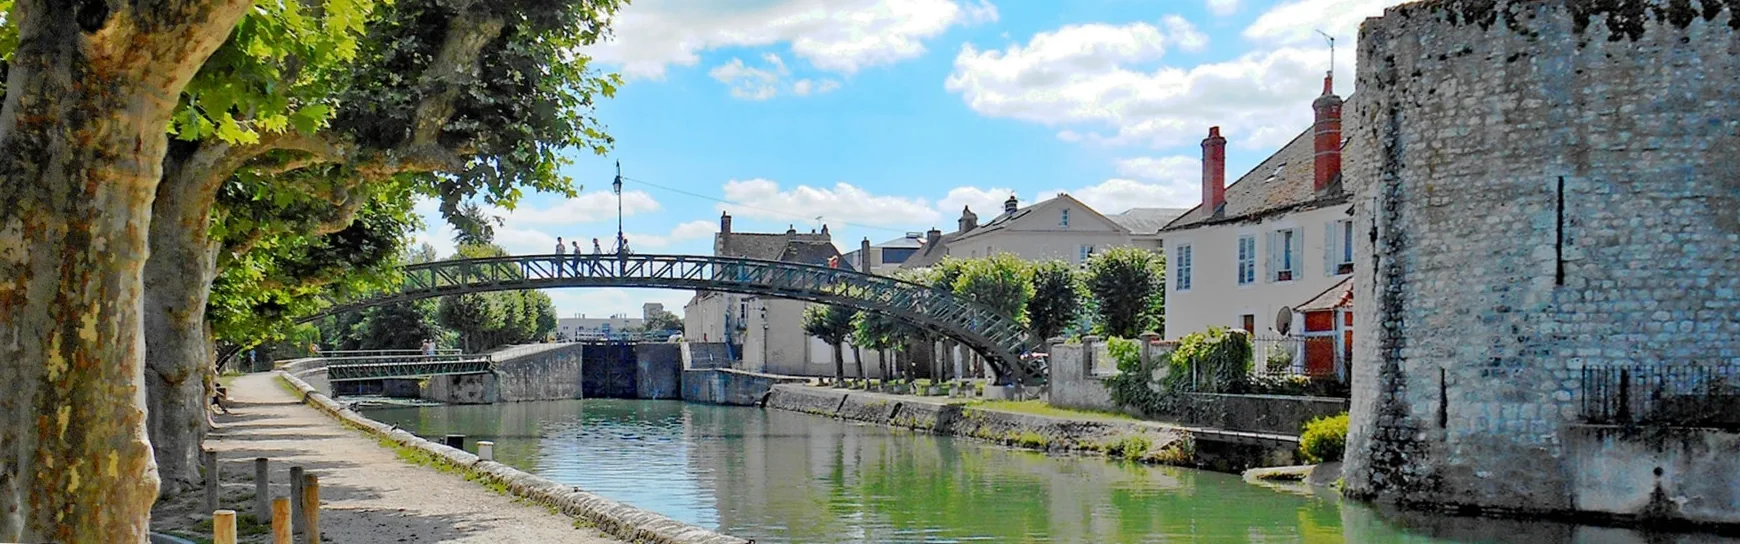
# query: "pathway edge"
{"points": [[613, 518]]}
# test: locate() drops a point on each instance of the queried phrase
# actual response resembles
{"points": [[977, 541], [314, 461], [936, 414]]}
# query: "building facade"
{"points": [[766, 333], [1061, 228], [1280, 235]]}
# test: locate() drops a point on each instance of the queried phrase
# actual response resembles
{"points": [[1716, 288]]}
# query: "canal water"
{"points": [[783, 477]]}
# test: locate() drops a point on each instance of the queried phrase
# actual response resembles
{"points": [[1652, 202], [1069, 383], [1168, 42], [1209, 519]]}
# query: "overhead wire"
{"points": [[780, 213]]}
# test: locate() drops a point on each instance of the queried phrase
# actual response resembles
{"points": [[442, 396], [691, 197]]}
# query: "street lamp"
{"points": [[616, 186]]}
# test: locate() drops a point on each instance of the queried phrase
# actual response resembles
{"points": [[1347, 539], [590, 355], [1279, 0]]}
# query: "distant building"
{"points": [[1144, 224], [1061, 228], [580, 327], [886, 257], [1281, 234], [766, 334]]}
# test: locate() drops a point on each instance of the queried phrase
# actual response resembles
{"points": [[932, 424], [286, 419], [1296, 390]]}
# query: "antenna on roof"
{"points": [[1331, 50]]}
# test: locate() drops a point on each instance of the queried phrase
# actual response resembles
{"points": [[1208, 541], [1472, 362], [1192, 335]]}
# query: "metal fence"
{"points": [[1281, 357], [1677, 395]]}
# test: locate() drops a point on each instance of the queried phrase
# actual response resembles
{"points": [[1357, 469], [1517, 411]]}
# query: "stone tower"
{"points": [[1545, 188]]}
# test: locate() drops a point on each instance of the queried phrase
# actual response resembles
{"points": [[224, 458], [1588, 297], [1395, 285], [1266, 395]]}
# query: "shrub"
{"points": [[1127, 353], [1325, 439], [1280, 361], [1129, 447]]}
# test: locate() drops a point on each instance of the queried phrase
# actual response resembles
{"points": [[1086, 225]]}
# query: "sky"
{"points": [[881, 117]]}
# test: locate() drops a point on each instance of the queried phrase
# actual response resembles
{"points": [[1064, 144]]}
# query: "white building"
{"points": [[1061, 228], [1279, 236], [766, 334], [581, 327]]}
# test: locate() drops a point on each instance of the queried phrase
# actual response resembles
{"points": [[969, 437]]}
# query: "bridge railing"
{"points": [[386, 359], [1001, 340], [409, 369], [377, 352]]}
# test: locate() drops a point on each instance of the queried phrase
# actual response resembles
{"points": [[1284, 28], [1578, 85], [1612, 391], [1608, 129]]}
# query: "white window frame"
{"points": [[1085, 252], [1183, 266], [1247, 259], [1283, 255], [1338, 247]]}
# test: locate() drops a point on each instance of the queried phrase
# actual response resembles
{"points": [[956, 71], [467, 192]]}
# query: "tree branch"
{"points": [[456, 64]]}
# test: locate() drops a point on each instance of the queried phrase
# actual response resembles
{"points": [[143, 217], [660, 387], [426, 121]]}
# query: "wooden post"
{"points": [[223, 527], [281, 520], [311, 507], [296, 517], [262, 490], [211, 479], [486, 450]]}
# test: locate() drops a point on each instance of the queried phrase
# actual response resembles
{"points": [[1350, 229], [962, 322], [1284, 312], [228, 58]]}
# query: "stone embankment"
{"points": [[614, 518], [1142, 441]]}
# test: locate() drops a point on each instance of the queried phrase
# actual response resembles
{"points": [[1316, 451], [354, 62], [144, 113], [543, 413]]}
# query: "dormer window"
{"points": [[1063, 218]]}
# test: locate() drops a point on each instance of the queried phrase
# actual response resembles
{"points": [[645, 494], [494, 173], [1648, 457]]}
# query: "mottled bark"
{"points": [[89, 92], [178, 277], [839, 364]]}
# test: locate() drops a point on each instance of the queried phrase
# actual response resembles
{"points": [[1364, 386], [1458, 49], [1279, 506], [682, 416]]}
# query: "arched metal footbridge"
{"points": [[999, 340]]}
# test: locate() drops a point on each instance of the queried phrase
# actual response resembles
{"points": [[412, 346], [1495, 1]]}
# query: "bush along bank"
{"points": [[614, 518], [1133, 440]]}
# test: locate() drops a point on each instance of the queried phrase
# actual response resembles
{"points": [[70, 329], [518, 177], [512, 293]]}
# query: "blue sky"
{"points": [[888, 116]]}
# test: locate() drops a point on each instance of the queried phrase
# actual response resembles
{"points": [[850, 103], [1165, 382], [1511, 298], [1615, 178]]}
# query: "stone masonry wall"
{"points": [[1549, 186]]}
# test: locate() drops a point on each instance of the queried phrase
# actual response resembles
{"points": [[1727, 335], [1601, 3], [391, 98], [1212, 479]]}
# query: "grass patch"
{"points": [[1040, 408], [284, 383]]}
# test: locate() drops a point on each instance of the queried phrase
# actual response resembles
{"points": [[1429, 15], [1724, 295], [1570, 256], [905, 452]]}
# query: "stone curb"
{"points": [[614, 518]]}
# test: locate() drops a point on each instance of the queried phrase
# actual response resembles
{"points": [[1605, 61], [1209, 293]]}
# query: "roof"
{"points": [[1339, 295], [1146, 220], [1009, 218], [1281, 183], [931, 254], [788, 247]]}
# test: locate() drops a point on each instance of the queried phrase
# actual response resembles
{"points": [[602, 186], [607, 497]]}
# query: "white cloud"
{"points": [[985, 203], [748, 83], [585, 208], [1176, 168], [1183, 34], [1223, 7], [840, 36], [844, 202], [691, 230], [761, 83], [1108, 85], [804, 87], [1117, 195]]}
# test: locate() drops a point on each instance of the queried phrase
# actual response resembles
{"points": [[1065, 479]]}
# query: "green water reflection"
{"points": [[785, 477]]}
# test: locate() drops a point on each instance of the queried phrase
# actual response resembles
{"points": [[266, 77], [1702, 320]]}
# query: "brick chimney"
{"points": [[932, 238], [724, 222], [1326, 137], [864, 255], [968, 221], [1213, 171], [1009, 206], [722, 242]]}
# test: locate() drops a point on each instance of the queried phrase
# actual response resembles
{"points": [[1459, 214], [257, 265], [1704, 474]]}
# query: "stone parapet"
{"points": [[617, 519]]}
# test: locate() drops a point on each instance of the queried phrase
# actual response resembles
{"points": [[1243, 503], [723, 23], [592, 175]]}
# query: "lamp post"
{"points": [[616, 186]]}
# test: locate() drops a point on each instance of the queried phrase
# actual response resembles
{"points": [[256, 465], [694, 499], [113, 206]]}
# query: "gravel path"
{"points": [[369, 494]]}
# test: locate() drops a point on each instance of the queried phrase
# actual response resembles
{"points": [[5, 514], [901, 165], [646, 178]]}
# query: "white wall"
{"points": [[1216, 299]]}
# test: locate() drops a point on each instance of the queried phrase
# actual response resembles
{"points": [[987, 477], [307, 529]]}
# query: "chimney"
{"points": [[724, 222], [1326, 137], [932, 238], [969, 220], [1009, 206], [824, 230], [1213, 171], [864, 256]]}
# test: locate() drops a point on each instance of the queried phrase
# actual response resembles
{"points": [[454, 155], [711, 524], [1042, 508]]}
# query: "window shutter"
{"points": [[1270, 244], [1331, 247], [1299, 253]]}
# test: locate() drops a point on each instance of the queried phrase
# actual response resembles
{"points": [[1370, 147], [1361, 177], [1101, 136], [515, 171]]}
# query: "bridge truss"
{"points": [[1000, 340]]}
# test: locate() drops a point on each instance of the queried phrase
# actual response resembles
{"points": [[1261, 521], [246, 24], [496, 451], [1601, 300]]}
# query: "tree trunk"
{"points": [[178, 343], [858, 359], [91, 87], [882, 361], [839, 364]]}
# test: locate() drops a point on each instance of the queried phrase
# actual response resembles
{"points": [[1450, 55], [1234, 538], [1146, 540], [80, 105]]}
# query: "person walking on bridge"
{"points": [[560, 249]]}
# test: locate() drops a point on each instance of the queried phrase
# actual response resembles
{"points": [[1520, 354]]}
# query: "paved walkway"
{"points": [[369, 494]]}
